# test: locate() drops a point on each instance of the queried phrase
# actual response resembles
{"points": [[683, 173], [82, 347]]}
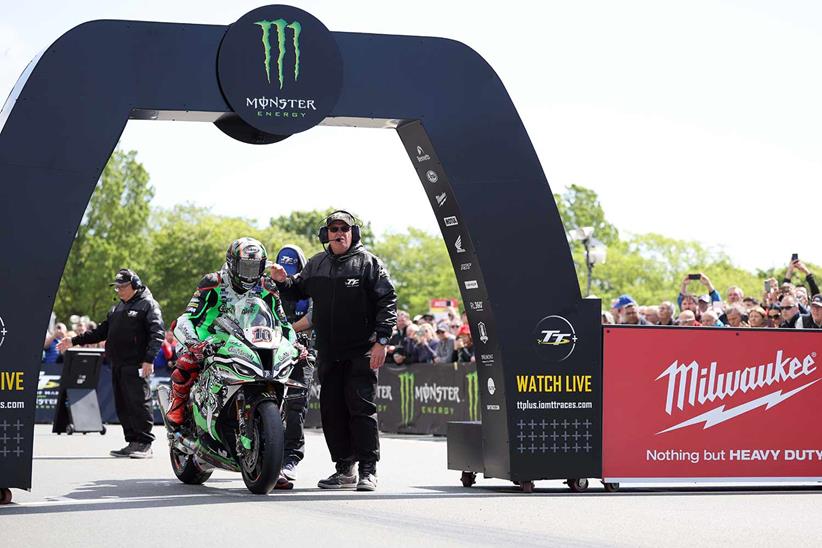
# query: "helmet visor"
{"points": [[250, 270]]}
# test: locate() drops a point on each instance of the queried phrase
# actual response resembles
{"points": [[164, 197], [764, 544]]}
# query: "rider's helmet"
{"points": [[245, 260]]}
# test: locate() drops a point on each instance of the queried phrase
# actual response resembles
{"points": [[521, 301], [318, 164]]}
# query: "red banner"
{"points": [[708, 403]]}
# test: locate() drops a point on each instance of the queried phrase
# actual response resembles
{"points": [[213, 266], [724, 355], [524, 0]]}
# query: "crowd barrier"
{"points": [[414, 399]]}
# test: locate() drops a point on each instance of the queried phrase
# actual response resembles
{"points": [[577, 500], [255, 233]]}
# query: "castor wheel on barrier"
{"points": [[610, 487], [468, 479], [69, 429], [103, 431], [5, 496], [577, 484], [527, 486]]}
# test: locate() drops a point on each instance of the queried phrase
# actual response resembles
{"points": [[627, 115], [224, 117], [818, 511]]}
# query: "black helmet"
{"points": [[245, 259]]}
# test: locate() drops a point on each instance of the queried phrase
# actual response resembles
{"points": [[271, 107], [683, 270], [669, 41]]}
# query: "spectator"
{"points": [[734, 315], [687, 301], [652, 314], [166, 356], [402, 352], [445, 348], [734, 295], [790, 311], [749, 303], [802, 299], [809, 277], [629, 315], [774, 315], [50, 352], [666, 313], [703, 303], [814, 319], [757, 317], [711, 319], [607, 318], [425, 345], [687, 318], [463, 346], [398, 336]]}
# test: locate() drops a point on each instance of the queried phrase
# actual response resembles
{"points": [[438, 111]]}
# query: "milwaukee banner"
{"points": [[419, 398], [711, 403]]}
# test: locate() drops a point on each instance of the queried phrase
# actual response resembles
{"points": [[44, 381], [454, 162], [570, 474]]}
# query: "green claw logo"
{"points": [[280, 25], [473, 395], [406, 398]]}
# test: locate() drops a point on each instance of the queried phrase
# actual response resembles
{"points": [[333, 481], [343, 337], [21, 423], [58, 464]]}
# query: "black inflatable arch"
{"points": [[67, 112]]}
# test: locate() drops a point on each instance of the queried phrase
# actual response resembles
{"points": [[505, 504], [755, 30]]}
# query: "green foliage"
{"points": [[579, 207], [419, 265], [112, 235], [308, 223]]}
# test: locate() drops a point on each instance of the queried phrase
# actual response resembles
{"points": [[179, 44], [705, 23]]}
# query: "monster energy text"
{"points": [[473, 396], [275, 107]]}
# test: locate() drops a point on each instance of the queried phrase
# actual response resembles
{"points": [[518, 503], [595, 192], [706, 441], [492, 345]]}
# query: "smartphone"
{"points": [[767, 286], [795, 257], [694, 276]]}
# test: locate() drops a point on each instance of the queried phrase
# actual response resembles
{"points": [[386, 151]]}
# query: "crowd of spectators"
{"points": [[424, 339], [782, 305]]}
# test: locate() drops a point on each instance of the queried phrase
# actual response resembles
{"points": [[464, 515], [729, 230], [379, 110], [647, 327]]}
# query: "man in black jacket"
{"points": [[355, 310], [134, 333]]}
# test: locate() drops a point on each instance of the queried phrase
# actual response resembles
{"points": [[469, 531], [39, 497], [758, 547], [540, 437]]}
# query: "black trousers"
{"points": [[132, 399], [348, 409], [295, 410]]}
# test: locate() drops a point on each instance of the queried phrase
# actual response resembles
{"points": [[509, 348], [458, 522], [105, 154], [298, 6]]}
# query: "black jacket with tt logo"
{"points": [[133, 331], [354, 301]]}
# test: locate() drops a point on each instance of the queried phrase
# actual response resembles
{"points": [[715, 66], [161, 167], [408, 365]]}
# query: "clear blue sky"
{"points": [[696, 120]]}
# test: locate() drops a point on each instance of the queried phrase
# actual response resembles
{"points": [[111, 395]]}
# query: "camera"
{"points": [[694, 276]]}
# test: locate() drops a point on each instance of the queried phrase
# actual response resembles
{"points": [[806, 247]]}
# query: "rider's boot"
{"points": [[185, 373]]}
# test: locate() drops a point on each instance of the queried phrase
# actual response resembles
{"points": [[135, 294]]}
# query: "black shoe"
{"points": [[124, 452], [368, 477], [141, 451], [343, 478]]}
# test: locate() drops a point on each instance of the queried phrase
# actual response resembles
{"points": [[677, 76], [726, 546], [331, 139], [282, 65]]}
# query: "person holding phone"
{"points": [[810, 279], [683, 291]]}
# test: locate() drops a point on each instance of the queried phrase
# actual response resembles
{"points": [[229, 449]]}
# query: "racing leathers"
{"points": [[215, 295]]}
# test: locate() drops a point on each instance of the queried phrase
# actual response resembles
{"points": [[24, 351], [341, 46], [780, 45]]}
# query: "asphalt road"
{"points": [[83, 497]]}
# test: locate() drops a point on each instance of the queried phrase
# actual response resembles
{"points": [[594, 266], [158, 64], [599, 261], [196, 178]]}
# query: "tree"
{"points": [[579, 207], [308, 223], [420, 268], [112, 235]]}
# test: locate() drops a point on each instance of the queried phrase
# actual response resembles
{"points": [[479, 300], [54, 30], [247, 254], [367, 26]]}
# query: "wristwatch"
{"points": [[383, 341]]}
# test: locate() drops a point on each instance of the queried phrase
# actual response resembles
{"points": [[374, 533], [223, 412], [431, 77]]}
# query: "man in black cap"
{"points": [[355, 310], [134, 333], [814, 319]]}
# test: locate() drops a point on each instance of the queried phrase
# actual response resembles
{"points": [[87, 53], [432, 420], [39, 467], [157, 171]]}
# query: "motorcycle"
{"points": [[234, 414]]}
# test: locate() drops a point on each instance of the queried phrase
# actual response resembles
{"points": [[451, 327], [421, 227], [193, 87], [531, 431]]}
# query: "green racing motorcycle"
{"points": [[234, 415]]}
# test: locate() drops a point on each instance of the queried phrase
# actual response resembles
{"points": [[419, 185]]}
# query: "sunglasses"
{"points": [[773, 316], [335, 229]]}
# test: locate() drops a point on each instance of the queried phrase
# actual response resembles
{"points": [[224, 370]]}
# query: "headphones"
{"points": [[136, 282], [355, 229]]}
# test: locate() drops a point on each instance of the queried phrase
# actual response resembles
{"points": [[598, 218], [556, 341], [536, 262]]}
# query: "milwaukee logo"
{"points": [[691, 385]]}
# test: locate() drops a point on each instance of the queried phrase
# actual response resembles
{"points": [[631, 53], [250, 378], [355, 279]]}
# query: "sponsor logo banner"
{"points": [[711, 403]]}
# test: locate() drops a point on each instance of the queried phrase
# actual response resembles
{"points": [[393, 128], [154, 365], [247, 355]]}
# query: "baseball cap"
{"points": [[817, 300], [340, 216], [464, 330], [442, 326], [124, 276], [705, 299], [624, 300]]}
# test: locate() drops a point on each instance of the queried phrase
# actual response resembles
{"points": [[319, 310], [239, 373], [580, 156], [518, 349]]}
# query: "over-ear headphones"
{"points": [[355, 228], [136, 282]]}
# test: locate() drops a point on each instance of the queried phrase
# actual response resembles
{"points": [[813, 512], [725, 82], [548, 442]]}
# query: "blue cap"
{"points": [[624, 300], [289, 259]]}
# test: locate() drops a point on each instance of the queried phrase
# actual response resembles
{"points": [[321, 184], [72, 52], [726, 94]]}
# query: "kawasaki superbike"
{"points": [[234, 415]]}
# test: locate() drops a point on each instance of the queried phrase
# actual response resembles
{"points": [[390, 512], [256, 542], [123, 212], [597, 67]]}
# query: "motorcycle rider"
{"points": [[218, 292]]}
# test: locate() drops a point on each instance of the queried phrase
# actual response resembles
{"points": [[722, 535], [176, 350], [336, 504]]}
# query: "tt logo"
{"points": [[555, 338], [352, 282], [280, 25]]}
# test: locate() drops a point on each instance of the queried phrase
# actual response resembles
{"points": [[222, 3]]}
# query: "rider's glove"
{"points": [[200, 349]]}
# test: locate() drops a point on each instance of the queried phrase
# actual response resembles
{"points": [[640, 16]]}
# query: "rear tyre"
{"points": [[187, 469], [261, 465]]}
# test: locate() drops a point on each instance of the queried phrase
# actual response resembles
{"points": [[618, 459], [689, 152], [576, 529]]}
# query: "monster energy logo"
{"points": [[473, 396], [406, 398], [280, 26]]}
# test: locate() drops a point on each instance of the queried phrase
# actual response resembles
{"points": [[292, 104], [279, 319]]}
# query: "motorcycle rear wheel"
{"points": [[187, 469], [261, 467]]}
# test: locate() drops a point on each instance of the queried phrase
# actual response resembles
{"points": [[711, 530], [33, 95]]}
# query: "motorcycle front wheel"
{"points": [[261, 466]]}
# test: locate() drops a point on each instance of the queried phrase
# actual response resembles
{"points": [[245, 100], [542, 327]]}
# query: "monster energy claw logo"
{"points": [[280, 25], [473, 396], [406, 398]]}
